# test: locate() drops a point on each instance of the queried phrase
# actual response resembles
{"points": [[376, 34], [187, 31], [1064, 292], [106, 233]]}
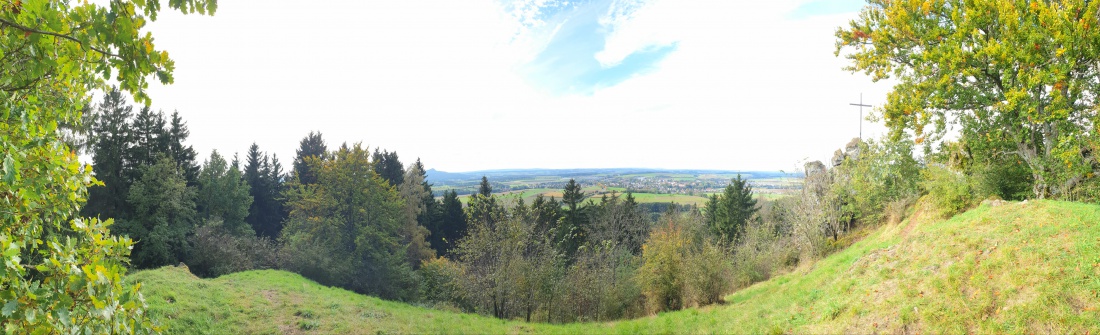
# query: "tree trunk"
{"points": [[550, 308]]}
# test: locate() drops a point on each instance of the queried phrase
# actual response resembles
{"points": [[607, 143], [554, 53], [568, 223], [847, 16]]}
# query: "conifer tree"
{"points": [[184, 155], [110, 142], [485, 188], [164, 212], [571, 234], [734, 209], [311, 147], [547, 213], [265, 183], [453, 221], [413, 193], [147, 144], [432, 216], [388, 166], [223, 196]]}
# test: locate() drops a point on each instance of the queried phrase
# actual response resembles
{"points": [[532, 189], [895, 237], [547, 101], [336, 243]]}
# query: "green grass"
{"points": [[681, 199], [1017, 268]]}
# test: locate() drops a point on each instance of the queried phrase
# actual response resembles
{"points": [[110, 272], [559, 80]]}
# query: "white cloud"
{"points": [[746, 87]]}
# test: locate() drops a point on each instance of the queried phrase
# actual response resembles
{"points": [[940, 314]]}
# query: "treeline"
{"points": [[228, 215], [573, 260], [364, 221]]}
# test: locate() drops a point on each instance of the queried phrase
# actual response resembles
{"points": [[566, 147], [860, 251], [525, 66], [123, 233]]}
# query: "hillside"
{"points": [[1019, 267]]}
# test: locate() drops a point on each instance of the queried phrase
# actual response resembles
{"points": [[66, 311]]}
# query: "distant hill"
{"points": [[1015, 268], [436, 176]]}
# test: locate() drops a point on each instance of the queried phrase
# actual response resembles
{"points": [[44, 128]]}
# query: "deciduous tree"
{"points": [[1018, 77], [62, 273], [351, 212]]}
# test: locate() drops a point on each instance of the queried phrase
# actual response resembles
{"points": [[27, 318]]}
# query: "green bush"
{"points": [[683, 265], [661, 273], [880, 173], [440, 282], [216, 252], [708, 275], [764, 251], [951, 191]]}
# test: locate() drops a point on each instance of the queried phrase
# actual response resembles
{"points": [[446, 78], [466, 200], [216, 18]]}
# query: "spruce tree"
{"points": [[485, 189], [388, 166], [110, 142], [311, 147], [734, 209], [453, 221], [432, 217], [266, 213], [148, 143], [416, 235], [547, 213], [571, 234], [184, 155]]}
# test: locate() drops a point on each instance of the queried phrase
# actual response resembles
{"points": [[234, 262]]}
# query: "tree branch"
{"points": [[50, 33]]}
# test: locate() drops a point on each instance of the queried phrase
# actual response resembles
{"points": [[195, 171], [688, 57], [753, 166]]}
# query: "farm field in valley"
{"points": [[684, 187]]}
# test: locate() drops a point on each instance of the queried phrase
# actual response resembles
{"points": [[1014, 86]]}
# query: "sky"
{"points": [[496, 84]]}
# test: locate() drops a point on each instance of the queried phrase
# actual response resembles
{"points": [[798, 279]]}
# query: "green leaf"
{"points": [[9, 169], [63, 315], [9, 308], [11, 251]]}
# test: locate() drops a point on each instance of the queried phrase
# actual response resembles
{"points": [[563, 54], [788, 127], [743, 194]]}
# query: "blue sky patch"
{"points": [[568, 64], [826, 7]]}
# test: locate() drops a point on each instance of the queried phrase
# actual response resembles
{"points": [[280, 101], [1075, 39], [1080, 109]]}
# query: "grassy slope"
{"points": [[1032, 267]]}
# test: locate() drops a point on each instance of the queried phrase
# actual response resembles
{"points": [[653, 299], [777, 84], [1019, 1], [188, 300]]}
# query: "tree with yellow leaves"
{"points": [[1018, 78]]}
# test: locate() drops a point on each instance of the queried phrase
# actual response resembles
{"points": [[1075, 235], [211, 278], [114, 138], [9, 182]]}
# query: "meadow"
{"points": [[1029, 267]]}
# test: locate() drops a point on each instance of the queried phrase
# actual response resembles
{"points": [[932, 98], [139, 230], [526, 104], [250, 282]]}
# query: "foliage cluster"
{"points": [[950, 191], [683, 265], [1017, 78], [60, 272]]}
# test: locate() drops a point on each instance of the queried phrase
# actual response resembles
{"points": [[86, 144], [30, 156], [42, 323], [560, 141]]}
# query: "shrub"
{"points": [[600, 284], [218, 252], [762, 252], [874, 175], [440, 282], [951, 191], [660, 275], [682, 265], [708, 275], [315, 260]]}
